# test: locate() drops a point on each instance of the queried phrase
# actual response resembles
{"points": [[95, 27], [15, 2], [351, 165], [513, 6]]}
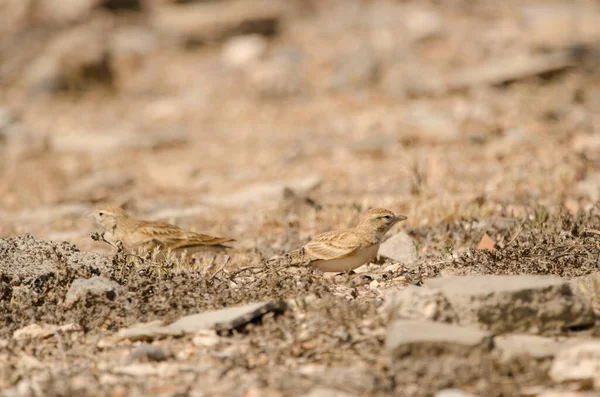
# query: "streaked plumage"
{"points": [[138, 234], [345, 250]]}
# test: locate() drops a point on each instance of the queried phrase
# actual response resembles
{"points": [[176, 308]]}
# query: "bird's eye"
{"points": [[388, 217], [101, 213]]}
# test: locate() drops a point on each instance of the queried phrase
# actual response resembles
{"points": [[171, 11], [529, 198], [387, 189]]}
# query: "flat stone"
{"points": [[453, 393], [524, 303], [219, 320], [513, 345], [406, 335], [95, 286], [243, 50], [400, 247], [580, 363], [417, 303], [41, 331], [326, 392], [203, 22]]}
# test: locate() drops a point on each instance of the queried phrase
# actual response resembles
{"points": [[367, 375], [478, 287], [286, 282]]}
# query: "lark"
{"points": [[345, 250], [138, 234]]}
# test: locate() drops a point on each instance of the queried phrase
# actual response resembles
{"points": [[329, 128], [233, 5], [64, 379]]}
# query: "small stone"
{"points": [[95, 286], [486, 243], [580, 363], [326, 392], [220, 320], [146, 352], [453, 393], [243, 50], [415, 335], [37, 331], [514, 345], [205, 338], [400, 247]]}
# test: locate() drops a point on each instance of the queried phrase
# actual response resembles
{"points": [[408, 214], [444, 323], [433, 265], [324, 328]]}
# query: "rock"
{"points": [[486, 243], [514, 345], [37, 331], [72, 60], [24, 260], [261, 192], [220, 320], [401, 248], [417, 337], [499, 71], [116, 141], [80, 289], [580, 363], [326, 392], [214, 21], [160, 370], [520, 303], [146, 352], [453, 393], [418, 303], [588, 287], [243, 50]]}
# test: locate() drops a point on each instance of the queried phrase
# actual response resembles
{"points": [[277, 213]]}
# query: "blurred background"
{"points": [[268, 120]]}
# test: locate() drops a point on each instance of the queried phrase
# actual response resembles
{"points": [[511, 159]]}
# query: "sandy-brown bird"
{"points": [[138, 234], [345, 250]]}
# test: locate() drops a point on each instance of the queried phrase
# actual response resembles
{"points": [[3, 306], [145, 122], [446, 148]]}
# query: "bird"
{"points": [[344, 250], [138, 234]]}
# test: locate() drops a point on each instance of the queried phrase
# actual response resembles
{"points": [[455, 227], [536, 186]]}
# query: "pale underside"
{"points": [[339, 251]]}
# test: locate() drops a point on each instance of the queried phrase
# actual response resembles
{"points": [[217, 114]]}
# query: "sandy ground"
{"points": [[467, 117]]}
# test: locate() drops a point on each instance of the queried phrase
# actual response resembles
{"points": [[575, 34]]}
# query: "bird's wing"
{"points": [[170, 236], [192, 239], [332, 245]]}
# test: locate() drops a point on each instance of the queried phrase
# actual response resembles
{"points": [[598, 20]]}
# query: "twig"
{"points": [[227, 259]]}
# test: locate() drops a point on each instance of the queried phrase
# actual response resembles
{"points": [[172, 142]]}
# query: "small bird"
{"points": [[147, 235], [345, 250]]}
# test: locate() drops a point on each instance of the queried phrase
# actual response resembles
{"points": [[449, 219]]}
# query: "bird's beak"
{"points": [[400, 218]]}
